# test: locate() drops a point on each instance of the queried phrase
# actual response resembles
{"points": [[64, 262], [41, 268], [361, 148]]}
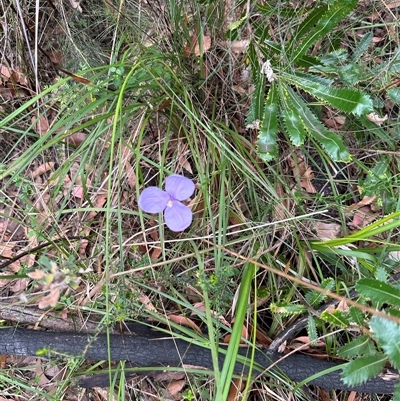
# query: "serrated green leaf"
{"points": [[358, 347], [362, 47], [335, 58], [287, 309], [306, 26], [284, 12], [337, 318], [396, 395], [326, 21], [381, 274], [344, 99], [312, 330], [350, 74], [388, 335], [291, 119], [331, 142], [362, 369], [356, 315], [267, 147], [378, 291], [315, 298], [394, 94], [258, 96]]}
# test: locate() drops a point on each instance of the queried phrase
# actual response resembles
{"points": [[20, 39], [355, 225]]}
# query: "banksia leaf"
{"points": [[267, 147]]}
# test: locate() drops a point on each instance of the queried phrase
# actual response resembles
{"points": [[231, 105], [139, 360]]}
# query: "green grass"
{"points": [[150, 111]]}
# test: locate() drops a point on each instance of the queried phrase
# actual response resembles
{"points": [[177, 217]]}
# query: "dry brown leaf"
{"points": [[19, 285], [184, 321], [364, 216], [335, 122], [76, 139], [145, 300], [51, 299], [78, 192], [36, 275], [305, 340], [194, 46], [43, 168], [76, 6], [239, 46], [200, 306], [305, 181], [237, 386], [99, 200], [130, 171], [20, 78], [373, 117], [175, 387], [206, 46], [5, 71], [183, 152], [327, 231], [155, 254], [41, 124], [4, 281], [366, 200], [302, 172], [6, 250], [343, 306]]}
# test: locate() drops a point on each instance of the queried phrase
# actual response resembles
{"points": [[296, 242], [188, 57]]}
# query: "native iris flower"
{"points": [[177, 216]]}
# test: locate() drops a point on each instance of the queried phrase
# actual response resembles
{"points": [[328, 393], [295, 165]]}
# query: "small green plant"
{"points": [[379, 342], [291, 72]]}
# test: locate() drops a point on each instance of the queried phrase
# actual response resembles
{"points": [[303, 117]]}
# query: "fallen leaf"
{"points": [[43, 168], [305, 343], [239, 46], [19, 285], [364, 216], [373, 117], [100, 199], [145, 300], [41, 124], [184, 321], [343, 306], [194, 46], [327, 231], [175, 387], [305, 181], [76, 6], [235, 389], [51, 299], [76, 139], [36, 275], [155, 254], [78, 192], [5, 71], [200, 306], [302, 172]]}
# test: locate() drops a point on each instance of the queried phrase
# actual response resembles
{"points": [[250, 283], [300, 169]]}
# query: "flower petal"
{"points": [[179, 187], [178, 217], [153, 200]]}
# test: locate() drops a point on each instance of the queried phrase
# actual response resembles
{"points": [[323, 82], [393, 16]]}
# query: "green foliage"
{"points": [[285, 109], [287, 309], [379, 182], [380, 340], [363, 368], [378, 291], [315, 298]]}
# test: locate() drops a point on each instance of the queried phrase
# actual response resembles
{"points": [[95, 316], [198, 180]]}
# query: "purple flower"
{"points": [[177, 216]]}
